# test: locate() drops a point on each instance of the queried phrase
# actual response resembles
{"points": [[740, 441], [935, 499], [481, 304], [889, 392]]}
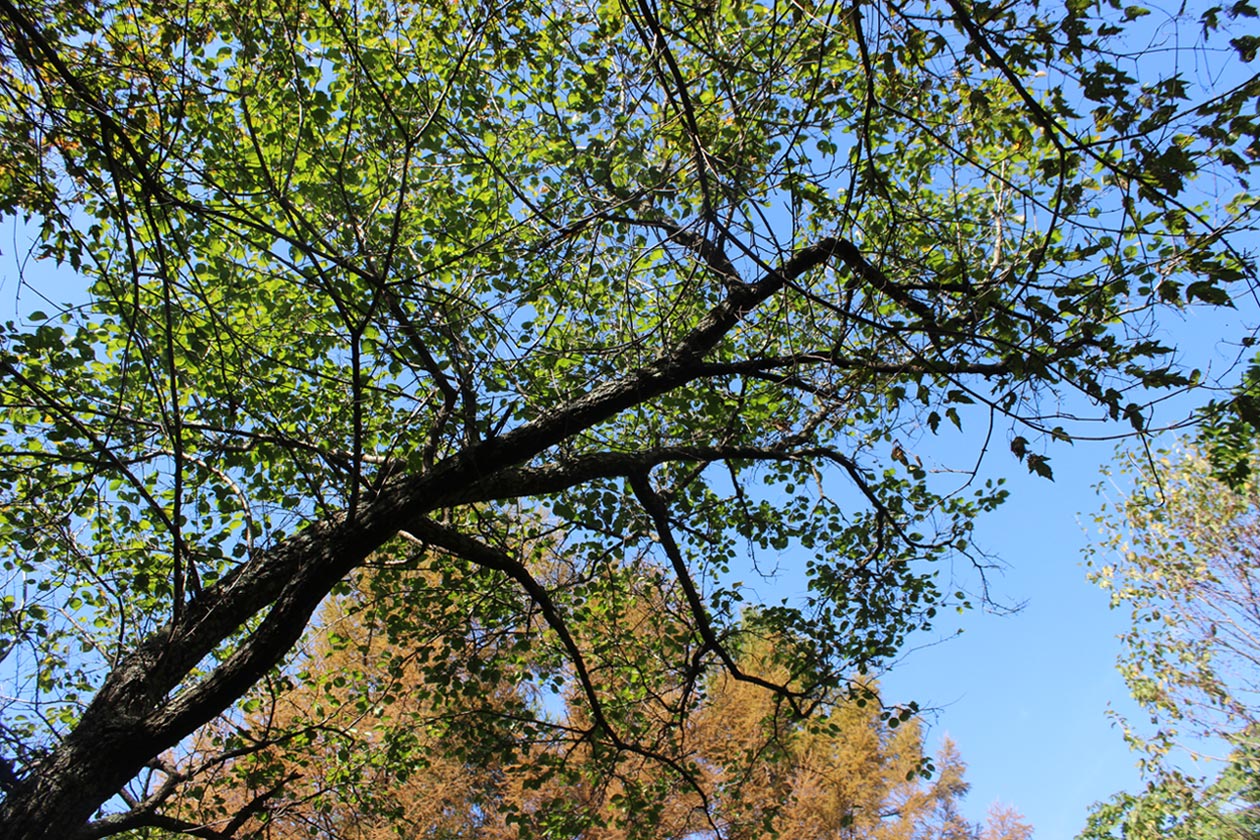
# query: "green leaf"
{"points": [[1246, 45], [1019, 446], [1039, 465], [1208, 292]]}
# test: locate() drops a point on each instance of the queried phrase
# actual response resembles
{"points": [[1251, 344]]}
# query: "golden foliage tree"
{"points": [[410, 760]]}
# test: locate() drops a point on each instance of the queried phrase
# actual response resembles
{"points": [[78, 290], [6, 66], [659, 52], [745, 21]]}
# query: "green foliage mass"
{"points": [[1180, 553], [1179, 807], [679, 292]]}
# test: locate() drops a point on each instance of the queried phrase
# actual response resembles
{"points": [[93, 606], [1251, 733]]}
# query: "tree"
{"points": [[855, 772], [694, 279], [1174, 805], [363, 743], [1181, 552], [1228, 430]]}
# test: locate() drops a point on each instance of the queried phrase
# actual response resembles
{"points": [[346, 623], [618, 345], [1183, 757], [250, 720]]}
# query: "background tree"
{"points": [[1182, 554], [1174, 805], [855, 772], [698, 280]]}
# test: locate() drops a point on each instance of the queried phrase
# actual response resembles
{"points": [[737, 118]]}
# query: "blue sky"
{"points": [[1025, 695]]}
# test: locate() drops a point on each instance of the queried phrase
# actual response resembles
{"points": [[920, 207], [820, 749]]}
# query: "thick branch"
{"points": [[141, 708], [558, 476]]}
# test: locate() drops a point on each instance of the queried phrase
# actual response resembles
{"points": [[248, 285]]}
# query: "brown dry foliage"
{"points": [[361, 748]]}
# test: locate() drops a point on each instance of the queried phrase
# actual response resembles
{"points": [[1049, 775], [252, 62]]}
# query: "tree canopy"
{"points": [[1179, 553], [677, 293]]}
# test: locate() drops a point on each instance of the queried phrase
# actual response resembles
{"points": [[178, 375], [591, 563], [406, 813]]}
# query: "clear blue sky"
{"points": [[1025, 696]]}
